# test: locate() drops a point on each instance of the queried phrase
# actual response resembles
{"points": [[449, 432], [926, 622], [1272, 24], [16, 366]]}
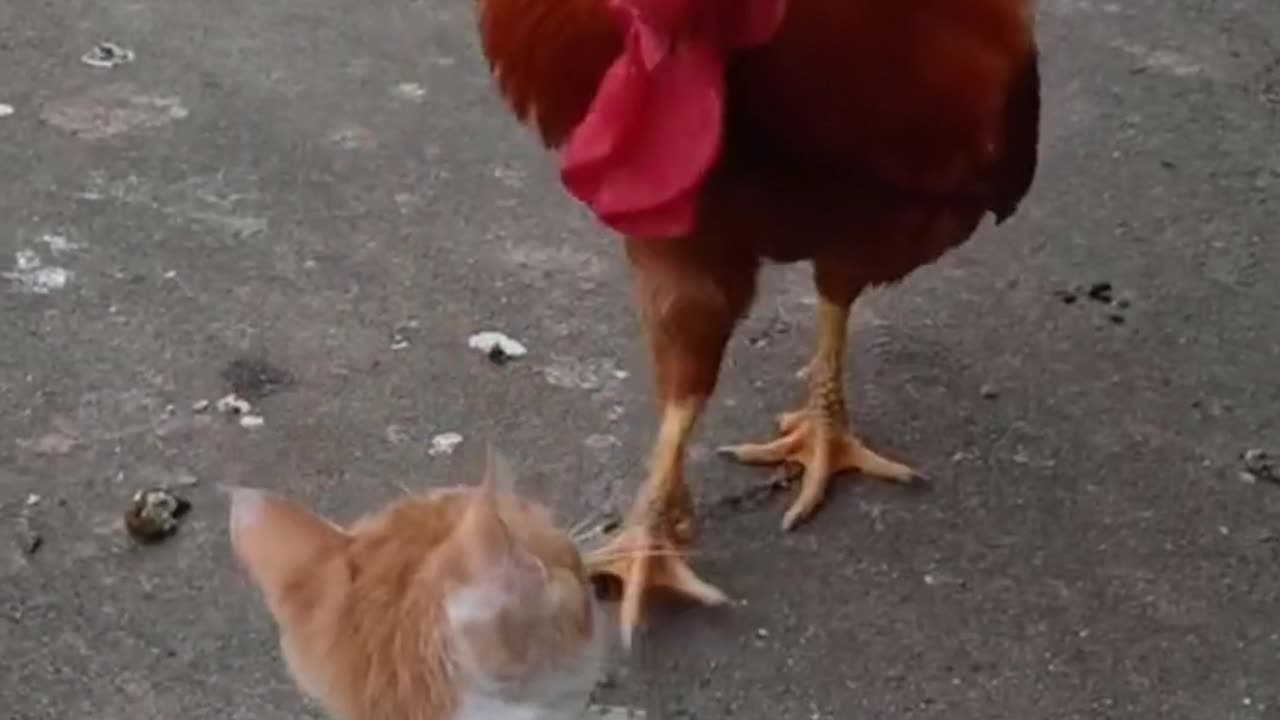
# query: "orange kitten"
{"points": [[461, 604]]}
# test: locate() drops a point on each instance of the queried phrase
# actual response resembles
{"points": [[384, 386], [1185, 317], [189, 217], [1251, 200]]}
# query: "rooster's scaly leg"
{"points": [[819, 436], [647, 553], [690, 295]]}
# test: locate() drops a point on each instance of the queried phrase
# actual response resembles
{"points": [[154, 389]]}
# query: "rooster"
{"points": [[866, 137]]}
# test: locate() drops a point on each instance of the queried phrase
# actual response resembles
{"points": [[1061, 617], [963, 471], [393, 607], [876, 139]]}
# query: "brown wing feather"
{"points": [[548, 57], [1017, 168], [909, 93]]}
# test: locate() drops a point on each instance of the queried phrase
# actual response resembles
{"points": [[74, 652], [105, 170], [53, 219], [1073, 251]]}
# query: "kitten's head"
{"points": [[462, 597]]}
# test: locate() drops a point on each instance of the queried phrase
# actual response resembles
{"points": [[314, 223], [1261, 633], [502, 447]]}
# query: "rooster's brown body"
{"points": [[867, 136]]}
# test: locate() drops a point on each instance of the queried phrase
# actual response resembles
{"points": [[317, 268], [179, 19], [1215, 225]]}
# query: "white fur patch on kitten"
{"points": [[560, 693]]}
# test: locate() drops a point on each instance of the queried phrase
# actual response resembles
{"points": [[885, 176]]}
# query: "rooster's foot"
{"points": [[823, 448]]}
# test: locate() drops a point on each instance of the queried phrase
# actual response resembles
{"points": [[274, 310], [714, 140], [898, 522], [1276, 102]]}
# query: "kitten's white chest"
{"points": [[559, 679], [560, 694]]}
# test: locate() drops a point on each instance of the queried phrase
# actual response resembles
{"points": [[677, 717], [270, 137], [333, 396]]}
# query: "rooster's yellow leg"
{"points": [[819, 437], [648, 551]]}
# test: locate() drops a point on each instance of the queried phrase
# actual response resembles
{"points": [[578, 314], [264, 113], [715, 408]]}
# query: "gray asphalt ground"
{"points": [[333, 188]]}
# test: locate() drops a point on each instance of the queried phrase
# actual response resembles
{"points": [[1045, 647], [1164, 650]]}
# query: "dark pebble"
{"points": [[153, 515], [1261, 466], [27, 538], [497, 356], [254, 378]]}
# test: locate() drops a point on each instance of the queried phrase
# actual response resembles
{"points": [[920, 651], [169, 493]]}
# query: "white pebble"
{"points": [[602, 441], [411, 91], [615, 712], [107, 55], [6, 110], [234, 405], [252, 421], [445, 443], [490, 341]]}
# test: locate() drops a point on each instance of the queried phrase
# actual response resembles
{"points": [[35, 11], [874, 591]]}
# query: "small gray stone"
{"points": [[153, 515], [27, 538], [1259, 464]]}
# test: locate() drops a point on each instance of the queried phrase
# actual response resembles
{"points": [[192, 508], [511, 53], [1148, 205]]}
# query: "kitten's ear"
{"points": [[278, 541], [482, 534], [502, 474], [498, 472]]}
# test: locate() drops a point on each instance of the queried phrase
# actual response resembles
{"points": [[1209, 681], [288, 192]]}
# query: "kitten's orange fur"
{"points": [[459, 604]]}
